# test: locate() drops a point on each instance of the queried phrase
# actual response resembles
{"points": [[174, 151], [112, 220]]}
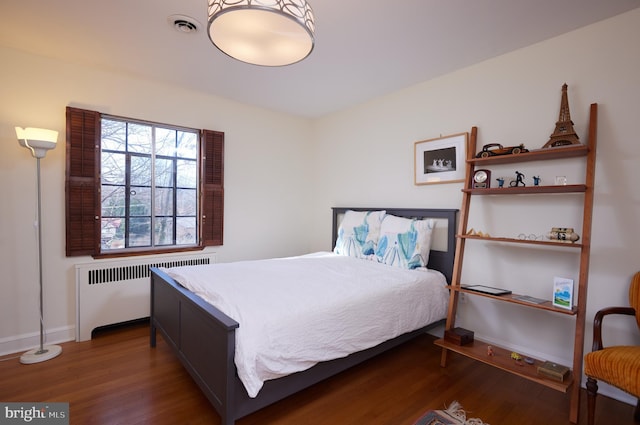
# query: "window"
{"points": [[149, 182], [140, 187]]}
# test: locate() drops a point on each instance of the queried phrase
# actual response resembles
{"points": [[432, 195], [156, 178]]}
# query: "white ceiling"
{"points": [[364, 48]]}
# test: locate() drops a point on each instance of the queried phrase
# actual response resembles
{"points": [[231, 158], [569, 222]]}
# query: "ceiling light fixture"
{"points": [[262, 32]]}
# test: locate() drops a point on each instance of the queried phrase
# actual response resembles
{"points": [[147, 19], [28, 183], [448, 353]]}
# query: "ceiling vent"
{"points": [[184, 24]]}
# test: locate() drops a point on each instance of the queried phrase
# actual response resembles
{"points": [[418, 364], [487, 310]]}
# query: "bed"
{"points": [[185, 321]]}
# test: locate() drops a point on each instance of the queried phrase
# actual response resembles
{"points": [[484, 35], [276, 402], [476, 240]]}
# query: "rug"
{"points": [[453, 415]]}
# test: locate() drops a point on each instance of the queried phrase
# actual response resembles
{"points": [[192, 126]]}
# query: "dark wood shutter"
{"points": [[212, 188], [82, 182]]}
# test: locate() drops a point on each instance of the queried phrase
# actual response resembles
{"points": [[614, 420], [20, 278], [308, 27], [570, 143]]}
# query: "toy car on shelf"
{"points": [[494, 149]]}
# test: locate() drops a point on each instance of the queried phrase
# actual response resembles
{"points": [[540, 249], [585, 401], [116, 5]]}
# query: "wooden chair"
{"points": [[619, 365]]}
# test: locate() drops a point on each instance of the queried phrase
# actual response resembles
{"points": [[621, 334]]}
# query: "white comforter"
{"points": [[296, 312]]}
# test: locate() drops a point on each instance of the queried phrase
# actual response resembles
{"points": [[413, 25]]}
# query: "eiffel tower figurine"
{"points": [[564, 133]]}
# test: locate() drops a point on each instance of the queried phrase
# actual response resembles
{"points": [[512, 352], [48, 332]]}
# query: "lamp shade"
{"points": [[262, 32], [38, 140]]}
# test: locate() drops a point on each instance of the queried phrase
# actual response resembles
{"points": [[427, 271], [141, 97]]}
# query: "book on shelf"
{"points": [[486, 289], [553, 371], [529, 299]]}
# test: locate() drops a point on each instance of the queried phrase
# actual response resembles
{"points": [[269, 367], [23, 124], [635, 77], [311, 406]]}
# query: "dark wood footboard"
{"points": [[201, 336]]}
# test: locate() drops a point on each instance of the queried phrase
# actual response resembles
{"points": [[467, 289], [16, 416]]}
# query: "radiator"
{"points": [[110, 292]]}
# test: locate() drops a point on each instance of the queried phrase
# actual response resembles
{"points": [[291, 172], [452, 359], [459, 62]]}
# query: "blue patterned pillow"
{"points": [[358, 234], [404, 242]]}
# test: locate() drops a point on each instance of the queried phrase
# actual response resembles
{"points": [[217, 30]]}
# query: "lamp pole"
{"points": [[39, 224]]}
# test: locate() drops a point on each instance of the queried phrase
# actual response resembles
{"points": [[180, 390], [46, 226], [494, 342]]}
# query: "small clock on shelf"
{"points": [[481, 179]]}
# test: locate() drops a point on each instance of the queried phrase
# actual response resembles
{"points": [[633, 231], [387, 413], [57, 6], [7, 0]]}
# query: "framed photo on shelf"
{"points": [[440, 160], [562, 293]]}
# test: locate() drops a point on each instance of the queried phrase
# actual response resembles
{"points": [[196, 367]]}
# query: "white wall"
{"points": [[266, 184], [358, 157], [366, 159]]}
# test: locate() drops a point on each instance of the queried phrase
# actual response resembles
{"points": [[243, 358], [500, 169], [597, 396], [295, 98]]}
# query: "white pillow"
{"points": [[405, 242], [358, 234]]}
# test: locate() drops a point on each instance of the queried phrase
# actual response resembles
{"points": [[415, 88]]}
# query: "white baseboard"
{"points": [[19, 343]]}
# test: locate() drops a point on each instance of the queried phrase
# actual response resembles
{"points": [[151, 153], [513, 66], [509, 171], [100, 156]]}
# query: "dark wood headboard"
{"points": [[438, 260]]}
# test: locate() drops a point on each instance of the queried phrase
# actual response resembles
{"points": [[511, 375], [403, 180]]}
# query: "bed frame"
{"points": [[203, 338]]}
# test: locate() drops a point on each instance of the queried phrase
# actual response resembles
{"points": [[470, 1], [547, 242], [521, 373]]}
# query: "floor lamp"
{"points": [[39, 141]]}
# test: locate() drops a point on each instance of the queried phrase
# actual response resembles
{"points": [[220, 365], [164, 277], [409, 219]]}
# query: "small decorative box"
{"points": [[459, 336]]}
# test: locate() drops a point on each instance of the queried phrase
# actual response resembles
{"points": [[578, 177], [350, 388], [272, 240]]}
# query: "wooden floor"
{"points": [[116, 378]]}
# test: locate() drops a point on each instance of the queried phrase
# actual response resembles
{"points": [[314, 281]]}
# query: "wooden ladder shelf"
{"points": [[501, 357]]}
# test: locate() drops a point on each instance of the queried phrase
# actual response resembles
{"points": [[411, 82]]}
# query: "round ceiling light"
{"points": [[262, 32]]}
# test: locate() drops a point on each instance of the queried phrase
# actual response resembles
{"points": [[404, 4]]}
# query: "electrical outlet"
{"points": [[463, 298]]}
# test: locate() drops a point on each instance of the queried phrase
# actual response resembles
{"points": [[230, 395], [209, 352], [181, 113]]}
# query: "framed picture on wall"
{"points": [[440, 160]]}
